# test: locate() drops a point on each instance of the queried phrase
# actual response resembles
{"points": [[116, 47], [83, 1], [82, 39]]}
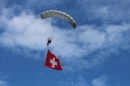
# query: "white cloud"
{"points": [[3, 83], [25, 30], [79, 81], [101, 81], [105, 12]]}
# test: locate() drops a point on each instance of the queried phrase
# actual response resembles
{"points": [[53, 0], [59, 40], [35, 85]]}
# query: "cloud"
{"points": [[3, 83], [80, 81], [101, 81], [100, 12], [98, 44], [38, 3], [24, 27]]}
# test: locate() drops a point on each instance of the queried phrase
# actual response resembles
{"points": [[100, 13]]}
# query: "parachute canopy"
{"points": [[61, 15]]}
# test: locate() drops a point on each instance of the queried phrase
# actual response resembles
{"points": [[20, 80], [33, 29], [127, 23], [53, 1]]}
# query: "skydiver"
{"points": [[49, 40]]}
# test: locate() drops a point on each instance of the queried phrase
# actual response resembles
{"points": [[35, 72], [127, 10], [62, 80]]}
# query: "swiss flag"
{"points": [[52, 61]]}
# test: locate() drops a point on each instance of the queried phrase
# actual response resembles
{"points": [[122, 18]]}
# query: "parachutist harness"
{"points": [[49, 40]]}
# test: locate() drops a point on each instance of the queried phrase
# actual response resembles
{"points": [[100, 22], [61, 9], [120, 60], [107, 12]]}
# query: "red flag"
{"points": [[52, 61]]}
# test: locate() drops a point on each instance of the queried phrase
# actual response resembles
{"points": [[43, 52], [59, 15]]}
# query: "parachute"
{"points": [[61, 15]]}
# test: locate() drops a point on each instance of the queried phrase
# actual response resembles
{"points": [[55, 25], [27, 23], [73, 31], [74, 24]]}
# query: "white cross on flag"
{"points": [[52, 61]]}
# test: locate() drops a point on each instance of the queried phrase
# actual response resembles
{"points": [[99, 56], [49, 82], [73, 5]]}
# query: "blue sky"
{"points": [[96, 53]]}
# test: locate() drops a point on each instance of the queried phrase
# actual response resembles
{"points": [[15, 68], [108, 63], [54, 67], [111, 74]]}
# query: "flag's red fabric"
{"points": [[52, 61]]}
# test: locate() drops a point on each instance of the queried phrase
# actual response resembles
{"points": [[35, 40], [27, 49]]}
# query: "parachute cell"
{"points": [[61, 15]]}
